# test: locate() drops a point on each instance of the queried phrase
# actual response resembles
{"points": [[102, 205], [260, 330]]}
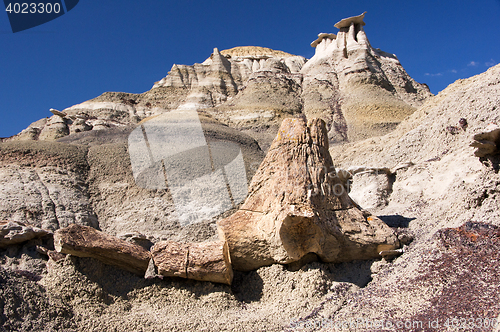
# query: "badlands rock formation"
{"points": [[87, 178], [434, 179], [359, 91]]}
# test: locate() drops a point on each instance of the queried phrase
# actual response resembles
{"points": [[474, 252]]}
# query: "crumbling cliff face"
{"points": [[357, 90]]}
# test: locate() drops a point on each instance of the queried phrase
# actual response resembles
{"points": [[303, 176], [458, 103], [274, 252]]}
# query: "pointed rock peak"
{"points": [[322, 36], [346, 22], [220, 61]]}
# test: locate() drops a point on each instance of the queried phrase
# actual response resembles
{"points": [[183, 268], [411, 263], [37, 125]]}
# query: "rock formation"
{"points": [[422, 182], [87, 178], [85, 241], [297, 205], [487, 142], [358, 90], [44, 184], [12, 232], [206, 261]]}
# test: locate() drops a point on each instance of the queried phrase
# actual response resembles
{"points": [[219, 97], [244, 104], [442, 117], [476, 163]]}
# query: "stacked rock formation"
{"points": [[359, 90]]}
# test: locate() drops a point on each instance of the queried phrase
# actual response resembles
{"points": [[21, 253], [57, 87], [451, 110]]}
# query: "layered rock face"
{"points": [[359, 91], [298, 205], [434, 179], [87, 178]]}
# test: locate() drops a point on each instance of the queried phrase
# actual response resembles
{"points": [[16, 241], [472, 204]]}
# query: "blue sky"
{"points": [[128, 45]]}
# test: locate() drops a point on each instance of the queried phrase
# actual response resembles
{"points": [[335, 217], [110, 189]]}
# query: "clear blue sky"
{"points": [[111, 45]]}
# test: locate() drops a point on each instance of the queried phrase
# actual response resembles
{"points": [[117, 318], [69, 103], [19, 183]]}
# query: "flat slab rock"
{"points": [[298, 205]]}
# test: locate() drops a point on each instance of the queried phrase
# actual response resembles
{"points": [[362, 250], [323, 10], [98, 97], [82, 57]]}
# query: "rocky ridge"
{"points": [[359, 91]]}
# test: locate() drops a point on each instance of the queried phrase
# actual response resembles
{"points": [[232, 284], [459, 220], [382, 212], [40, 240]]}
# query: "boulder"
{"points": [[487, 141], [346, 22], [205, 261], [83, 241], [371, 187], [298, 205], [14, 232]]}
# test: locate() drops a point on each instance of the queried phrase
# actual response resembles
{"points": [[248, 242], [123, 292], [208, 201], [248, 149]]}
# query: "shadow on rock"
{"points": [[247, 286], [122, 282], [396, 220]]}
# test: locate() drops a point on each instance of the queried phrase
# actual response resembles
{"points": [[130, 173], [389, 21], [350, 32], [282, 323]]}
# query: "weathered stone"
{"points": [[44, 184], [487, 141], [80, 125], [58, 113], [55, 128], [83, 241], [297, 205], [346, 22], [371, 187], [205, 261], [358, 90], [322, 36], [14, 232]]}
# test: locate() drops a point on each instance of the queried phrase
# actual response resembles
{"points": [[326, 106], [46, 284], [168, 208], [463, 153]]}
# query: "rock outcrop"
{"points": [[44, 184], [438, 194], [487, 142], [359, 91], [12, 232], [297, 205], [87, 178]]}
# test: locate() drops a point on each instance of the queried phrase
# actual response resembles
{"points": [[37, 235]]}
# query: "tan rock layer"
{"points": [[14, 232], [206, 261]]}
